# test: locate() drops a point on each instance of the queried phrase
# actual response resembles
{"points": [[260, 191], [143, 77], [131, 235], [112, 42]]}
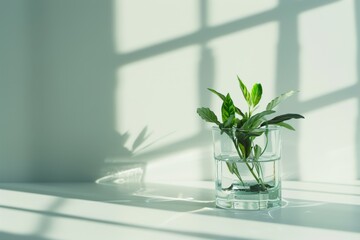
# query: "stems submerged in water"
{"points": [[257, 178]]}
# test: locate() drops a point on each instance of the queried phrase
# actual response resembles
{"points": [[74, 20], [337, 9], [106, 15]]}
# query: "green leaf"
{"points": [[256, 93], [286, 125], [279, 99], [243, 150], [222, 96], [227, 108], [257, 152], [250, 133], [229, 122], [255, 132], [245, 91], [240, 123], [256, 120], [238, 111], [244, 142], [282, 118], [208, 115], [229, 165]]}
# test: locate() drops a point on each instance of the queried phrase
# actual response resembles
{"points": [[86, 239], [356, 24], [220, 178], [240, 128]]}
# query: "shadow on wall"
{"points": [[73, 82], [286, 14], [15, 86], [70, 84], [57, 79], [288, 77], [75, 94], [357, 88]]}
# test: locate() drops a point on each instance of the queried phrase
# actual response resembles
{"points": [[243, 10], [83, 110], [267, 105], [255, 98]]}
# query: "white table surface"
{"points": [[181, 210]]}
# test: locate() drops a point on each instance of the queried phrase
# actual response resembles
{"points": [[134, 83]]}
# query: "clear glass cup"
{"points": [[247, 178]]}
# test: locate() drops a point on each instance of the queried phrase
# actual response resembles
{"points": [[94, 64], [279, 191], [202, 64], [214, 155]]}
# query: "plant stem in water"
{"points": [[259, 180]]}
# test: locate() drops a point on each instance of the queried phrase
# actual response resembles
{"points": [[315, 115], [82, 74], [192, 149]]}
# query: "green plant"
{"points": [[244, 126]]}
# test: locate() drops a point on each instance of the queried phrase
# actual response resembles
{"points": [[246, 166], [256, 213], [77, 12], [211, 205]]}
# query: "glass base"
{"points": [[237, 188], [247, 200], [251, 204]]}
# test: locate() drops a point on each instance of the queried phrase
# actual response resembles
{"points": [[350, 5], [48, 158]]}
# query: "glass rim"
{"points": [[269, 127]]}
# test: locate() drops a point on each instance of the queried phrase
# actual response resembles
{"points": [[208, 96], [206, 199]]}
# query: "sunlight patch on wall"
{"points": [[327, 143], [140, 24], [328, 40], [246, 54], [160, 93], [221, 13]]}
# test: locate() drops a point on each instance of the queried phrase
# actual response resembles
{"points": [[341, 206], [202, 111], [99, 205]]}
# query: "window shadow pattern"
{"points": [[74, 72], [286, 14], [190, 200], [287, 65]]}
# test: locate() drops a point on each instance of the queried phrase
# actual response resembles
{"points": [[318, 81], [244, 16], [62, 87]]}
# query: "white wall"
{"points": [[120, 81]]}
